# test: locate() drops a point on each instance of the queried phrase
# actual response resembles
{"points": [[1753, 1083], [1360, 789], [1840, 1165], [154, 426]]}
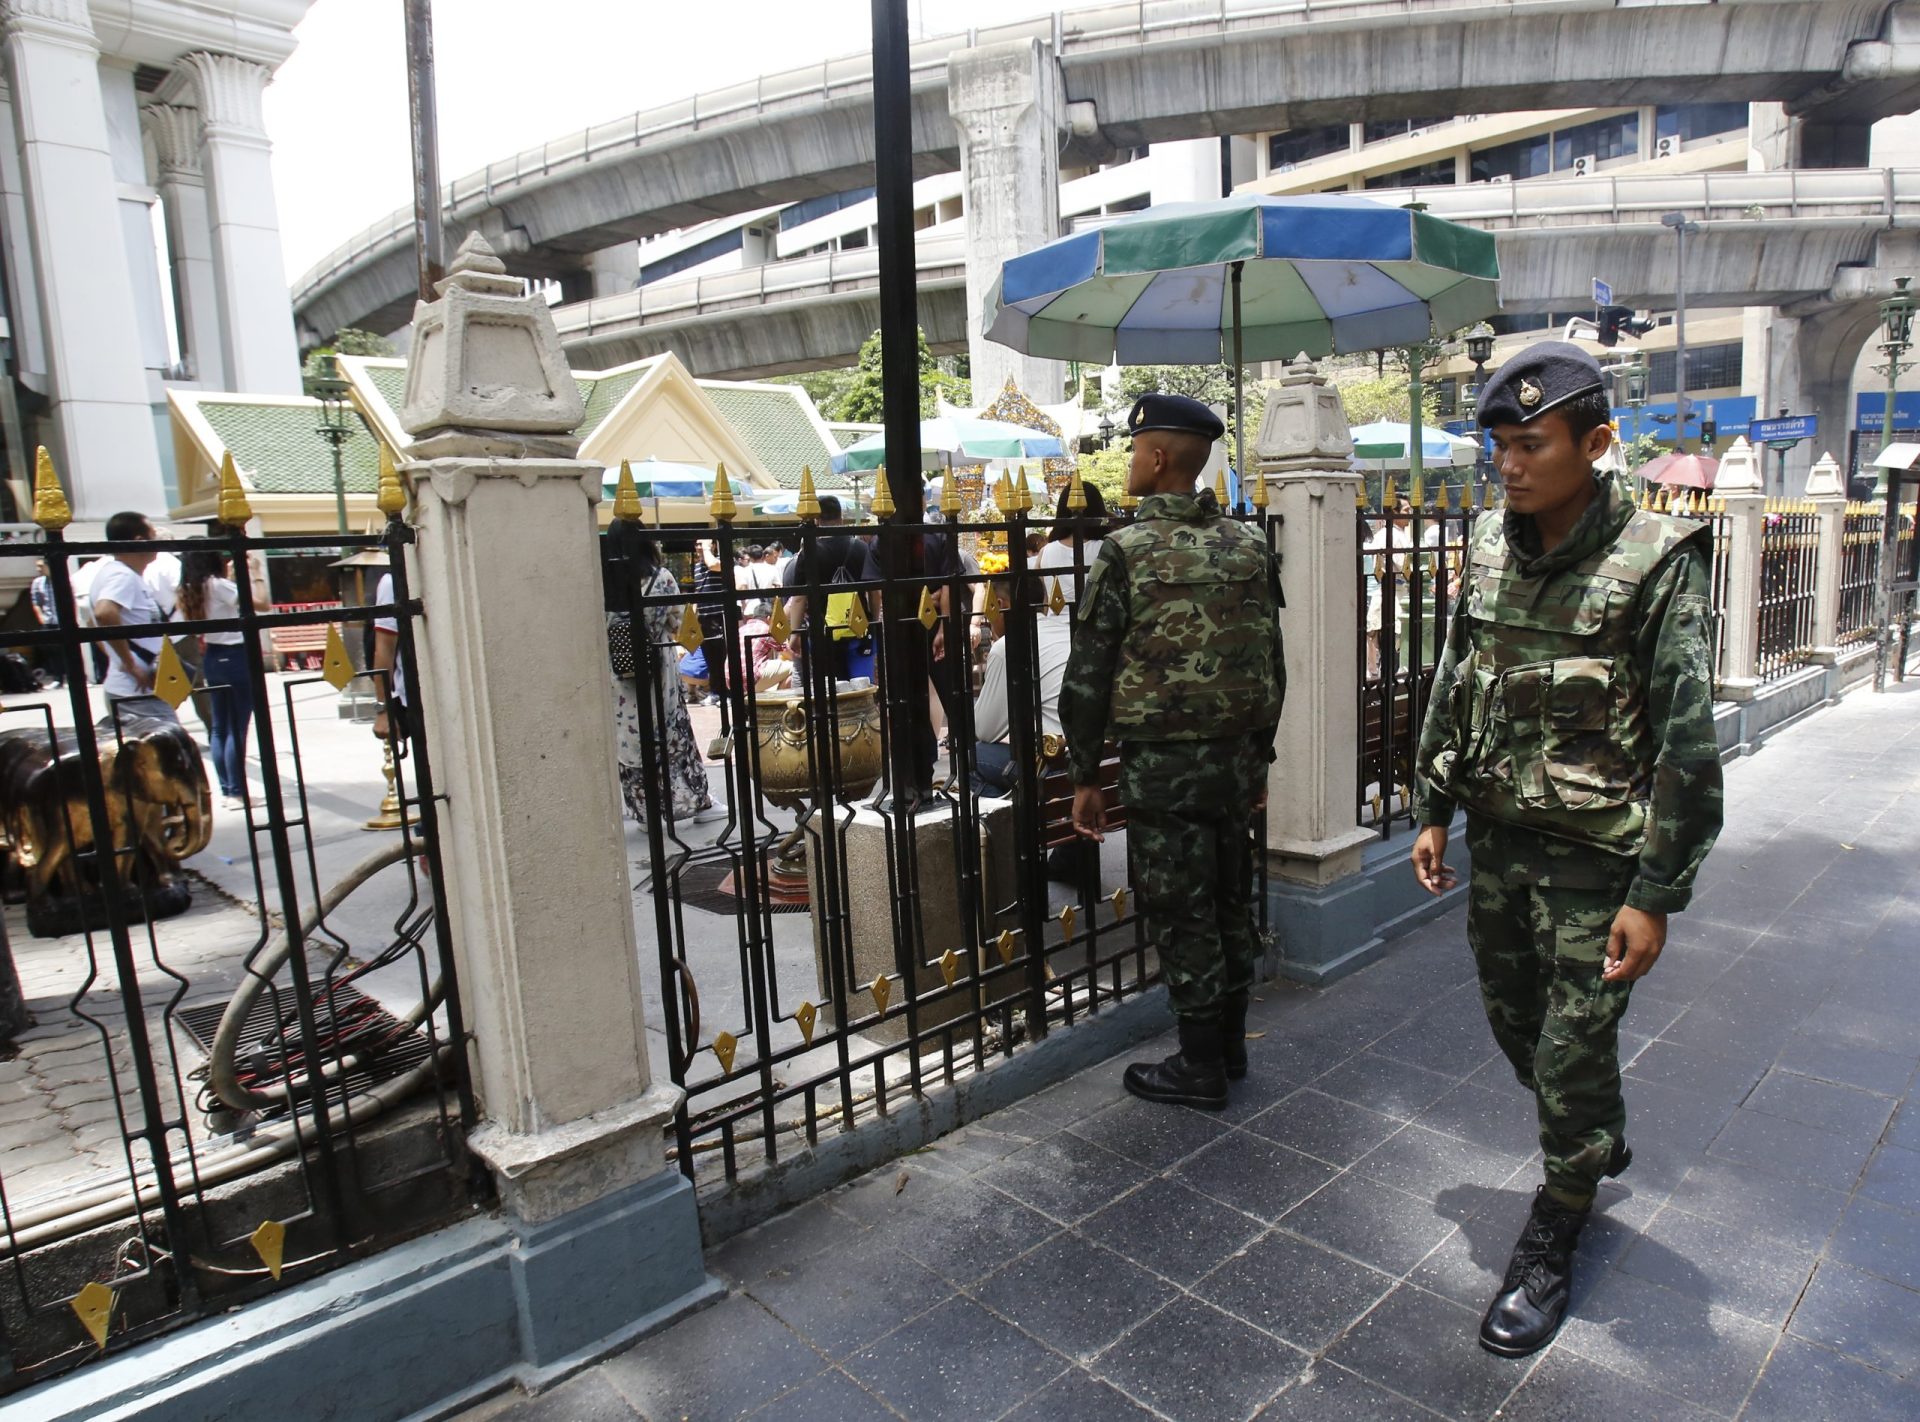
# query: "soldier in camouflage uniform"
{"points": [[1176, 654], [1572, 717]]}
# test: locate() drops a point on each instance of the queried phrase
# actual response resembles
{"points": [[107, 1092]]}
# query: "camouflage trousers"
{"points": [[1190, 851], [1539, 951]]}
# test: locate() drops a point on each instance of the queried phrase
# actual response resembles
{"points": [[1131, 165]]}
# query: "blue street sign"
{"points": [[1790, 427], [1602, 293]]}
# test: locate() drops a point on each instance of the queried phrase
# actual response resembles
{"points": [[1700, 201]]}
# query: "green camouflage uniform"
{"points": [[1177, 655], [1572, 716]]}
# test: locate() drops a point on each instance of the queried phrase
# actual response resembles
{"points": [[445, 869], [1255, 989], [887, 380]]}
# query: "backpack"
{"points": [[840, 605]]}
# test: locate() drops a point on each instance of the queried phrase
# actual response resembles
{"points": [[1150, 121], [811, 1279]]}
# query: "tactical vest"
{"points": [[1197, 662], [1549, 709]]}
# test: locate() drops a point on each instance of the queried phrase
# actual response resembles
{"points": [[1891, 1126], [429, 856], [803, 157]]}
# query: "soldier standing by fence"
{"points": [[1572, 715], [1177, 655]]}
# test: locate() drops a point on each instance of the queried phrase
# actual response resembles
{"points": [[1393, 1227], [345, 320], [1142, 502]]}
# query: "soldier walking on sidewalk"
{"points": [[1177, 655], [1572, 717]]}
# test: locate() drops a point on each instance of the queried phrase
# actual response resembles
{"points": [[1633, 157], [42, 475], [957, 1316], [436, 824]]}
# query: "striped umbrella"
{"points": [[1245, 278]]}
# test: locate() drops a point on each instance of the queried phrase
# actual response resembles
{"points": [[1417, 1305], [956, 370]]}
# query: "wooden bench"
{"points": [[301, 648]]}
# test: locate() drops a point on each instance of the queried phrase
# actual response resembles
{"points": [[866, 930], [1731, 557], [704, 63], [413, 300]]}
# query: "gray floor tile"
{"points": [[1078, 1397], [1318, 1125], [1569, 1388], [1672, 1342], [1718, 1264], [1850, 1065], [1498, 1120], [1382, 1084], [1066, 1177], [1881, 1239], [1151, 1134], [1327, 1392], [1427, 1347], [1791, 1211], [1425, 1163], [1073, 1295], [1803, 1382], [722, 1362], [1171, 1229], [1254, 1174], [1893, 1177], [1449, 1043], [1079, 1096], [846, 1298], [1777, 1146], [1844, 1110], [783, 1242], [589, 1397], [1905, 1130], [1295, 1289], [1193, 1363], [994, 1137], [958, 1361], [1262, 1087], [1372, 1223], [1298, 1051], [1691, 1069], [966, 1230], [831, 1397], [1862, 1316]]}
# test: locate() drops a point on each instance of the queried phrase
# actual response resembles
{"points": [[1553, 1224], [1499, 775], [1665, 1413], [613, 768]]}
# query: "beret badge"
{"points": [[1530, 394]]}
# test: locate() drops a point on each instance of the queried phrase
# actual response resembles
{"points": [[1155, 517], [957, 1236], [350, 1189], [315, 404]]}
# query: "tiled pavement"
{"points": [[1320, 1252]]}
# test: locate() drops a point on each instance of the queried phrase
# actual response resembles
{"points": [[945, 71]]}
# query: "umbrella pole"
{"points": [[1416, 466], [1239, 389]]}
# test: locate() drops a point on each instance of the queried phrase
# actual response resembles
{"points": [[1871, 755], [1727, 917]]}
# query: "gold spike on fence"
{"points": [[950, 494], [1076, 494], [808, 504], [626, 496], [50, 508], [391, 499], [721, 505], [1259, 491], [882, 504], [234, 508]]}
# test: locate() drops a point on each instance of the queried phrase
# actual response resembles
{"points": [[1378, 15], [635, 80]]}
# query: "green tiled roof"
{"points": [[603, 394], [776, 427], [391, 382], [847, 434], [277, 447]]}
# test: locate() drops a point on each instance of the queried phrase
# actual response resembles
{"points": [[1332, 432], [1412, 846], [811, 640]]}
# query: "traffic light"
{"points": [[1614, 320]]}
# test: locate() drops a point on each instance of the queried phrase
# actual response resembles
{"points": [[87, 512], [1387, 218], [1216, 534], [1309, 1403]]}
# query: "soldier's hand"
{"points": [[1634, 944], [1430, 865], [1089, 812]]}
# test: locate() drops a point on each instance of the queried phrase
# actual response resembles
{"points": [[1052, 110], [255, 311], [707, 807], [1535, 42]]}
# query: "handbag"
{"points": [[620, 644]]}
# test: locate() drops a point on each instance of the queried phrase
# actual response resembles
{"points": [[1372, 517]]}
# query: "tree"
{"points": [[1209, 384], [1367, 395], [826, 388], [1106, 470], [865, 400], [348, 340]]}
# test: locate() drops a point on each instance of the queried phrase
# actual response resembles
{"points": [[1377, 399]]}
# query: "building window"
{"points": [[1708, 368], [1399, 128], [1447, 397], [1436, 174], [1688, 121], [1616, 137], [1522, 158], [1302, 145], [809, 208]]}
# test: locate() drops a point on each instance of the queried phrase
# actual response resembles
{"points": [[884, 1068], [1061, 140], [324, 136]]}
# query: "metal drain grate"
{"points": [[405, 1047]]}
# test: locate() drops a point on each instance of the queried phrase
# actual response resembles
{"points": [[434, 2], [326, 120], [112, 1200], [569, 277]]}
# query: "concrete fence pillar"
{"points": [[520, 718], [1314, 840], [1738, 480], [1829, 497]]}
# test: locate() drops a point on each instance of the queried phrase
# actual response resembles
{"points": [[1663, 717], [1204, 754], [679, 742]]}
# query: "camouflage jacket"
{"points": [[1177, 636], [1574, 699]]}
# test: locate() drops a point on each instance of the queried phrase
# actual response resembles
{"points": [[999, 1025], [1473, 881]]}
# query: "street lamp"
{"points": [[1107, 429], [1896, 338], [1682, 229], [331, 391], [1479, 351]]}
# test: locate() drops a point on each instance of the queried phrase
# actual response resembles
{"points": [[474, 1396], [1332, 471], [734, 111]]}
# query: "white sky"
{"points": [[513, 75]]}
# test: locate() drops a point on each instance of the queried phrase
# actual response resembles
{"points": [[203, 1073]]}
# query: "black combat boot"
{"points": [[1622, 1157], [1193, 1076], [1526, 1314], [1233, 1035]]}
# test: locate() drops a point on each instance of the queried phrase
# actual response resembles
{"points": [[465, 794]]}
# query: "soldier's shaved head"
{"points": [[1166, 461]]}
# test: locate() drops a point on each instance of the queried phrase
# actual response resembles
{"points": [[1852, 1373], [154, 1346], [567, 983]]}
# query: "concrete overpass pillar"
{"points": [[1008, 103]]}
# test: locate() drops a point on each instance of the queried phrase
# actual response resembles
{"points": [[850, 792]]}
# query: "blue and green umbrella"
{"points": [[1245, 278], [956, 439]]}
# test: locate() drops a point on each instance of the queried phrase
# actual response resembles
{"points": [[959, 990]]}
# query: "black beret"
{"points": [[1173, 412], [1542, 377]]}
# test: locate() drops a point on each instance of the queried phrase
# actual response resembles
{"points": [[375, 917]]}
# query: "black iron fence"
{"points": [[1412, 553], [221, 1082], [1712, 511], [1859, 571], [1789, 552], [855, 840]]}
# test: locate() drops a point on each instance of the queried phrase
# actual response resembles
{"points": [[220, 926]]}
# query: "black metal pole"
{"points": [[429, 243]]}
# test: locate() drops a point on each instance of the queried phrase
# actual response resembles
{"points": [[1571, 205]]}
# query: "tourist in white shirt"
{"points": [[163, 576], [206, 592], [1074, 543], [992, 715], [121, 598]]}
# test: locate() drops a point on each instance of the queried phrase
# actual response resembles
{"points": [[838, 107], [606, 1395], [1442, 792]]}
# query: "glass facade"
{"points": [[1687, 121], [1522, 158], [1438, 173], [1396, 128], [1708, 368], [1303, 145], [1616, 137]]}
